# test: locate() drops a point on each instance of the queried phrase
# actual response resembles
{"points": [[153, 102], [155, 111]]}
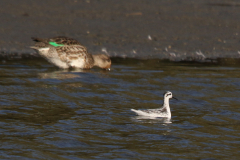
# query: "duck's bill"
{"points": [[174, 98]]}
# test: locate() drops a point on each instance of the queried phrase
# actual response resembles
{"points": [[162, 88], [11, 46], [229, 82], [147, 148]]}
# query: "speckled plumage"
{"points": [[164, 111], [58, 40], [66, 52]]}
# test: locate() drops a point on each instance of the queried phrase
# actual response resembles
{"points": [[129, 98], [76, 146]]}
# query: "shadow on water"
{"points": [[50, 113]]}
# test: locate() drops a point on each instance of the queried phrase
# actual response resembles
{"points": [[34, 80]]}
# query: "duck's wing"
{"points": [[70, 53], [55, 42], [64, 40]]}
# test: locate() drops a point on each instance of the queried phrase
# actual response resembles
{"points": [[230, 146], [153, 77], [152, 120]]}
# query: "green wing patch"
{"points": [[55, 44]]}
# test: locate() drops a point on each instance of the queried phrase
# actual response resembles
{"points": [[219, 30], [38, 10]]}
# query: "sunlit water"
{"points": [[47, 113]]}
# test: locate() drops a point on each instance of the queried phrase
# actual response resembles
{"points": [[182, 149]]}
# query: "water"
{"points": [[47, 113]]}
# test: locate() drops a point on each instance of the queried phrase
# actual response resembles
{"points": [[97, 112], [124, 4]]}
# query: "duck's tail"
{"points": [[40, 43], [37, 39]]}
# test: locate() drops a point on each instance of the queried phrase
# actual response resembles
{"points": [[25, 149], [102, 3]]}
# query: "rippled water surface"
{"points": [[47, 113]]}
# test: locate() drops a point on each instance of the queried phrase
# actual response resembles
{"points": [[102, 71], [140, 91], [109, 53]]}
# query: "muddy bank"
{"points": [[170, 29]]}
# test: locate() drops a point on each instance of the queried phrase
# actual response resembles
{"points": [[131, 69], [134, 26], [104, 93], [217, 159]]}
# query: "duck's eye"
{"points": [[108, 60]]}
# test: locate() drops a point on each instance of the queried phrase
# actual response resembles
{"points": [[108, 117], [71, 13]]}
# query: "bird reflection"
{"points": [[147, 119], [63, 74], [67, 74]]}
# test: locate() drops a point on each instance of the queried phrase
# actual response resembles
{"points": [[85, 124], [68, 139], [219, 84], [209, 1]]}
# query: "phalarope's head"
{"points": [[168, 95]]}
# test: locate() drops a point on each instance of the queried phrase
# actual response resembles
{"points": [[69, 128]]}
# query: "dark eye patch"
{"points": [[108, 60], [169, 94]]}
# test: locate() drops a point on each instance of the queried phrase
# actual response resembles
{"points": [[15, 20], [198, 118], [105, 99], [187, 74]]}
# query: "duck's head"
{"points": [[103, 61]]}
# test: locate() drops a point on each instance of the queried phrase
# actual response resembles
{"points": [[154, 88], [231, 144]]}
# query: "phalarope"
{"points": [[66, 52], [164, 111]]}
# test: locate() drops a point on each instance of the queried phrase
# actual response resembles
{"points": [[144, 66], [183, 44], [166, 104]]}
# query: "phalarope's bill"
{"points": [[66, 52], [164, 111]]}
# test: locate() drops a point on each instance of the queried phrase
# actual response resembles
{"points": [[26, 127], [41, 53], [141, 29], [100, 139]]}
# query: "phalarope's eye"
{"points": [[169, 94]]}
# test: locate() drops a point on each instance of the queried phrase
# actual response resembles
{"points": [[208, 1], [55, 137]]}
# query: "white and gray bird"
{"points": [[163, 111]]}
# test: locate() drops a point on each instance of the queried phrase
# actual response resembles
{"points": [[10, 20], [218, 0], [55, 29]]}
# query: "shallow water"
{"points": [[47, 113]]}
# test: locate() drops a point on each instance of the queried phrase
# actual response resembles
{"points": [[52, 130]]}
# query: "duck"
{"points": [[163, 111], [65, 52]]}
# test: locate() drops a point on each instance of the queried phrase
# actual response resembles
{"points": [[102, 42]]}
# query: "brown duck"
{"points": [[66, 52]]}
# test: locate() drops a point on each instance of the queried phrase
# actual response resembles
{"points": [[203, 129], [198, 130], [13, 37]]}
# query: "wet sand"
{"points": [[175, 30]]}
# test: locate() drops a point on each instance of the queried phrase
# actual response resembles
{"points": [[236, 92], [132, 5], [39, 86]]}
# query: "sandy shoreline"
{"points": [[171, 29]]}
